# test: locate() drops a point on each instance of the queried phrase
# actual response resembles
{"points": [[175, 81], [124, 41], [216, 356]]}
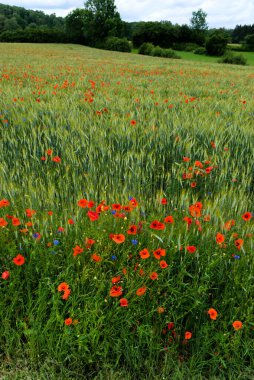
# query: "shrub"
{"points": [[157, 51], [169, 53], [200, 51], [249, 42], [118, 44], [216, 44], [238, 59], [146, 48]]}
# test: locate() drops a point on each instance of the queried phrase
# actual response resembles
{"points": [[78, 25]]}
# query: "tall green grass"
{"points": [[122, 125]]}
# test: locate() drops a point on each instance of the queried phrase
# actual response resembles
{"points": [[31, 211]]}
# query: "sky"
{"points": [[220, 13]]}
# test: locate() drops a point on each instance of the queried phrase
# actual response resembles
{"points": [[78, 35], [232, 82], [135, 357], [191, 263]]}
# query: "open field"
{"points": [[126, 215], [205, 58], [190, 56]]}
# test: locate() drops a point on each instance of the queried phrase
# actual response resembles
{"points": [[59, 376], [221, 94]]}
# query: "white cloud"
{"points": [[220, 13]]}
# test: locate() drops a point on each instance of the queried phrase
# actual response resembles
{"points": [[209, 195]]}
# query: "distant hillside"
{"points": [[24, 25]]}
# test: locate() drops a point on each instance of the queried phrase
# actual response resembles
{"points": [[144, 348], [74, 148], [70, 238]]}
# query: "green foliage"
{"points": [[34, 35], [146, 48], [102, 21], [249, 42], [235, 59], [200, 51], [169, 53], [216, 44], [240, 32], [118, 44], [75, 25], [16, 18], [198, 20], [125, 127], [156, 51]]}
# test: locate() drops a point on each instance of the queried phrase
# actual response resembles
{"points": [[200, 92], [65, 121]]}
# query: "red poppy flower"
{"points": [[56, 159], [133, 122], [15, 222], [187, 220], [30, 212], [171, 325], [96, 257], [144, 254], [5, 275], [19, 260], [156, 225], [198, 164], [133, 202], [49, 152], [213, 313], [90, 204], [127, 208], [191, 248], [141, 291], [82, 203], [169, 219], [118, 238], [115, 280], [63, 287], [123, 302], [239, 243], [89, 242], [153, 276], [92, 215], [163, 264], [193, 184], [116, 207], [186, 159], [247, 216], [220, 238], [159, 252], [164, 201], [77, 250], [237, 325], [116, 291], [188, 335], [3, 222], [195, 210], [132, 230], [68, 321], [66, 294]]}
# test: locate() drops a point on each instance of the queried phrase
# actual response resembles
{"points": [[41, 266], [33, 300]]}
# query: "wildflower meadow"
{"points": [[126, 216]]}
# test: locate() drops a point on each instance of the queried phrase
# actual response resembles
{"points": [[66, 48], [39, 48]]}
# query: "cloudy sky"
{"points": [[221, 13]]}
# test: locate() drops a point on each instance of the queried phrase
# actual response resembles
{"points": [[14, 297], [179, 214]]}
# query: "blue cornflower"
{"points": [[113, 212], [113, 257], [134, 241], [56, 242]]}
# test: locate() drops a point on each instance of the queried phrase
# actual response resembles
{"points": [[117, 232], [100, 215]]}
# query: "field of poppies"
{"points": [[126, 216]]}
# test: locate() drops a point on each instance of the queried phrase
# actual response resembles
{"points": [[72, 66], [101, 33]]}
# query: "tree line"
{"points": [[99, 24]]}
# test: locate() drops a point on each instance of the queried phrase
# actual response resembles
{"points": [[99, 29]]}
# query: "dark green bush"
{"points": [[216, 44], [169, 53], [146, 48], [118, 44], [200, 51], [157, 51], [233, 59]]}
